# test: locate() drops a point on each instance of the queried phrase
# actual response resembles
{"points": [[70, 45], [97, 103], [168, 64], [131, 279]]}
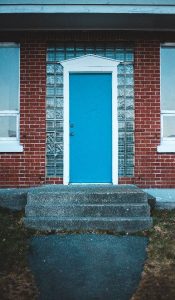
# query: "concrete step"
{"points": [[88, 207], [89, 197], [133, 224], [88, 210]]}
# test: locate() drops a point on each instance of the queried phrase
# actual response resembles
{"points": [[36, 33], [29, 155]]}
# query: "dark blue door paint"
{"points": [[90, 128]]}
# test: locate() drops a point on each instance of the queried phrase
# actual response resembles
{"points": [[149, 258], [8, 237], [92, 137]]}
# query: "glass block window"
{"points": [[54, 101]]}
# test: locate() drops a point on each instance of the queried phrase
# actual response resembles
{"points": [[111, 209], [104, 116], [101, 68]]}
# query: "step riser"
{"points": [[80, 198], [91, 210], [80, 225]]}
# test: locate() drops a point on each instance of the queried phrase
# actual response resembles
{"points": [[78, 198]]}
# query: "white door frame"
{"points": [[90, 64]]}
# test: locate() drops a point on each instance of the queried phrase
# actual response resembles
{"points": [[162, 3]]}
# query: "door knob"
{"points": [[72, 133], [72, 125]]}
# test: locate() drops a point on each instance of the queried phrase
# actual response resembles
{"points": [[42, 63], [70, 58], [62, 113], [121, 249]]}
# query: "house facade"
{"points": [[87, 92]]}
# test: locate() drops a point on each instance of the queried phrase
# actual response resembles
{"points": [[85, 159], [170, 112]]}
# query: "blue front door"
{"points": [[90, 128]]}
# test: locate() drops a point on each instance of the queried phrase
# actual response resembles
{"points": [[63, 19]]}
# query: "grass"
{"points": [[16, 280], [158, 277]]}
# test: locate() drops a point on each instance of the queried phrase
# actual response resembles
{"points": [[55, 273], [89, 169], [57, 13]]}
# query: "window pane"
{"points": [[9, 78], [7, 126], [168, 78], [169, 126]]}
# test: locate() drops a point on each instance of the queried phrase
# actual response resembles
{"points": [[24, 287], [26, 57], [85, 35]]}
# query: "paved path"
{"points": [[87, 266]]}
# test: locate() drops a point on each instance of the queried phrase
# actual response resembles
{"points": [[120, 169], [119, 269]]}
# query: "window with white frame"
{"points": [[167, 56], [9, 97]]}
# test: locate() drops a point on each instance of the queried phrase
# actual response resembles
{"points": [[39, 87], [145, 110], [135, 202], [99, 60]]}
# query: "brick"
{"points": [[152, 169]]}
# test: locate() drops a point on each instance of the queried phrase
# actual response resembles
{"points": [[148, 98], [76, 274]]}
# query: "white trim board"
{"points": [[89, 64], [11, 147]]}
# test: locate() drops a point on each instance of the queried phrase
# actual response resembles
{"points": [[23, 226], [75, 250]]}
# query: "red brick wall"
{"points": [[28, 168], [147, 113], [152, 169]]}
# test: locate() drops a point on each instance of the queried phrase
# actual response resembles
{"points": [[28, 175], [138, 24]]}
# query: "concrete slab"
{"points": [[13, 198], [87, 266], [165, 198]]}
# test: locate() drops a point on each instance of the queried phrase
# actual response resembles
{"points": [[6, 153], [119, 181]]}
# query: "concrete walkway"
{"points": [[87, 266]]}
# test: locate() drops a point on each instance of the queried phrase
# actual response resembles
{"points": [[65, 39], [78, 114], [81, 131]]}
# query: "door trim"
{"points": [[90, 64]]}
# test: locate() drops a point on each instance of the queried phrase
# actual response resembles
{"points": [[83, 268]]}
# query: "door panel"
{"points": [[90, 128]]}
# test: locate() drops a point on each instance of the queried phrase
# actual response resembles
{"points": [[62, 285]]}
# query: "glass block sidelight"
{"points": [[54, 101]]}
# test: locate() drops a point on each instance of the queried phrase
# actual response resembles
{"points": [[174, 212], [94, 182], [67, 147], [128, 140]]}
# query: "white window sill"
{"points": [[10, 147], [166, 147]]}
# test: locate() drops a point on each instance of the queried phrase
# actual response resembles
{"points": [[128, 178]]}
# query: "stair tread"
{"points": [[101, 191], [91, 194], [88, 218], [86, 188], [88, 205], [97, 199]]}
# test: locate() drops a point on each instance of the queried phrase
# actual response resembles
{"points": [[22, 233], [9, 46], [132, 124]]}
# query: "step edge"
{"points": [[124, 205], [88, 218]]}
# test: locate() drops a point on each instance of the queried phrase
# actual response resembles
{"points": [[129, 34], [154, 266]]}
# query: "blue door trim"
{"points": [[89, 64]]}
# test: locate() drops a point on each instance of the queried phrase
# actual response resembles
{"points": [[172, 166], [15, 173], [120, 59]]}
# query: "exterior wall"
{"points": [[152, 169], [28, 168], [149, 165]]}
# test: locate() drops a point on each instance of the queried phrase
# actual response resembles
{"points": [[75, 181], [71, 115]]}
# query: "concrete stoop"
{"points": [[119, 208]]}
